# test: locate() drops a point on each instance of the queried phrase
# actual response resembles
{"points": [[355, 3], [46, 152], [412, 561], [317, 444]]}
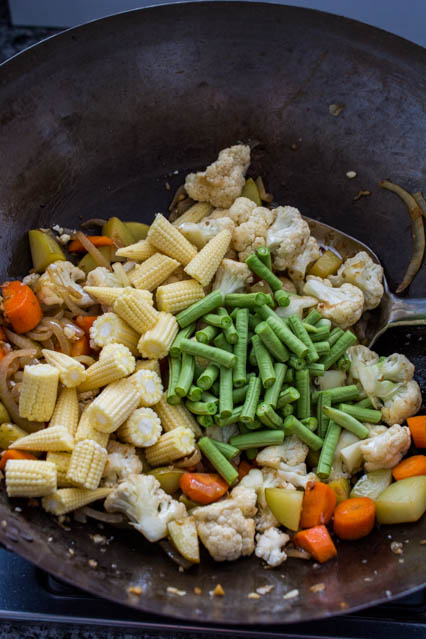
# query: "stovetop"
{"points": [[29, 594]]}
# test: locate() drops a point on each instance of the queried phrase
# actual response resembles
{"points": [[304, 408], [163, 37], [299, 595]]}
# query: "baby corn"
{"points": [[86, 430], [87, 464], [38, 392], [113, 406], [173, 298], [166, 238], [136, 311], [115, 361], [28, 478], [56, 438], [149, 365], [152, 272], [174, 416], [139, 251], [62, 462], [108, 295], [194, 214], [71, 372], [109, 328], [173, 445], [205, 264], [149, 386], [143, 428], [65, 500], [66, 410], [156, 342]]}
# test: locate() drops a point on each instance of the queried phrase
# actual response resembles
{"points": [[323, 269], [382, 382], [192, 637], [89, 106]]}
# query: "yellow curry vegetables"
{"points": [[66, 413], [62, 462], [138, 252], [56, 438], [113, 406], [174, 297], [86, 430], [142, 428], [136, 311], [156, 343], [66, 500], [152, 272], [71, 372], [38, 393], [166, 238], [115, 361], [87, 464], [149, 386], [28, 478], [109, 328], [173, 445]]}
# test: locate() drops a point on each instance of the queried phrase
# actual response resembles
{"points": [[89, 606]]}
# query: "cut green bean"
{"points": [[265, 311], [322, 335], [174, 371], [310, 422], [258, 439], [264, 255], [251, 453], [328, 449], [303, 406], [220, 342], [296, 362], [264, 362], [282, 297], [230, 331], [365, 403], [197, 310], [254, 320], [287, 396], [255, 425], [240, 349], [316, 369], [273, 392], [266, 414], [289, 376], [209, 397], [206, 334], [324, 399], [232, 419], [239, 394], [294, 426], [205, 420], [252, 357], [185, 333], [322, 347], [227, 450], [362, 414], [225, 392], [344, 363], [215, 388], [310, 328], [219, 321], [201, 408], [293, 343], [339, 394], [215, 355], [296, 325], [198, 369], [251, 401], [272, 342], [313, 317], [218, 460], [208, 377], [245, 300], [263, 272], [287, 409], [344, 342], [233, 314], [346, 421], [194, 393], [270, 301], [335, 334]]}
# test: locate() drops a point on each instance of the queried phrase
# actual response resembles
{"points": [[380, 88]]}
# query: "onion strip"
{"points": [[417, 232], [5, 394], [21, 341], [58, 332], [94, 252], [192, 460], [421, 202]]}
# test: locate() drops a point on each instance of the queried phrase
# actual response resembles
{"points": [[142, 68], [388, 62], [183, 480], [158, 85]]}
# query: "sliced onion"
{"points": [[85, 359], [21, 341], [5, 393], [94, 252], [94, 222], [100, 515], [297, 553], [66, 323], [58, 332], [192, 460]]}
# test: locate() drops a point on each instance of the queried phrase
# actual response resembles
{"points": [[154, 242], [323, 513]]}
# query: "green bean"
{"points": [[201, 408], [322, 347], [227, 450], [365, 403], [264, 362], [232, 419], [198, 369], [218, 460], [287, 396], [220, 342], [252, 357], [239, 394], [253, 320], [215, 355], [200, 308], [344, 363], [272, 342], [296, 362], [268, 416], [258, 439], [264, 254], [322, 335], [209, 397], [205, 420], [174, 370], [344, 342], [293, 343], [310, 328], [310, 422], [287, 409], [282, 297], [265, 311], [216, 320], [185, 333], [215, 388], [296, 325], [230, 332], [313, 317], [324, 399], [289, 376], [255, 425], [252, 399], [339, 394], [335, 334], [294, 426], [328, 450], [263, 272], [273, 392], [208, 377], [194, 393], [240, 350], [206, 334], [346, 421], [362, 414], [245, 300], [251, 453], [303, 406], [225, 392], [316, 369]]}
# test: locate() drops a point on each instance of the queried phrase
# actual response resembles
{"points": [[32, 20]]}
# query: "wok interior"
{"points": [[96, 122]]}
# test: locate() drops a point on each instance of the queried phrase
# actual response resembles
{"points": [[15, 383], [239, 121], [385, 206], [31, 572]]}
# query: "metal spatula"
{"points": [[393, 310]]}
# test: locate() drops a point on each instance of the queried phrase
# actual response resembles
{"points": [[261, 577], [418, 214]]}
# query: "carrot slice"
{"points": [[203, 487], [410, 467], [85, 322], [316, 541], [21, 307], [354, 518], [14, 454], [243, 469], [80, 347], [97, 240], [417, 426], [319, 503]]}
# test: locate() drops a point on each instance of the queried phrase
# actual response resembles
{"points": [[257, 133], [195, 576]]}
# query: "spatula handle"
{"points": [[407, 311]]}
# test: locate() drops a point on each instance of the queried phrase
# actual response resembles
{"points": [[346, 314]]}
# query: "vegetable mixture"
{"points": [[201, 378]]}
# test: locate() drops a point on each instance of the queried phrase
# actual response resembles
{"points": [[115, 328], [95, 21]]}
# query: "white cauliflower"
{"points": [[292, 451], [122, 461], [386, 450], [348, 455], [270, 546], [297, 475], [232, 277], [310, 253], [101, 276], [251, 233], [223, 180], [58, 285], [287, 236], [297, 305], [338, 468], [343, 305], [245, 498], [222, 433], [259, 479], [361, 271], [404, 402], [146, 505], [31, 280], [202, 232]]}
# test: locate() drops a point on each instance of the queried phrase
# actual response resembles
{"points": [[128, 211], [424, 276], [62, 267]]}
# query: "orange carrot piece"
{"points": [[21, 307], [80, 347], [97, 240], [243, 469], [85, 322], [410, 467], [354, 518], [203, 487], [316, 541], [417, 426], [14, 454], [319, 503]]}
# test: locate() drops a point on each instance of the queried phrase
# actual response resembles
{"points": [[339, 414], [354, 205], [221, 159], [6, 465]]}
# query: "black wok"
{"points": [[95, 121]]}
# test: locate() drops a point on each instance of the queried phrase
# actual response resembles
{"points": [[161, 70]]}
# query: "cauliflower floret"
{"points": [[361, 271], [348, 455], [292, 452], [404, 402], [232, 277], [297, 475], [146, 505], [202, 232], [297, 305], [287, 236], [249, 235], [58, 285], [343, 305], [386, 450], [223, 180], [245, 498], [259, 479], [310, 253], [269, 546], [122, 461], [101, 276], [31, 280]]}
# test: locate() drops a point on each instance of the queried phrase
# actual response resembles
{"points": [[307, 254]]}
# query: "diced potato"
{"points": [[286, 505], [137, 229], [44, 250], [372, 484], [118, 232], [341, 488], [251, 191], [87, 263], [4, 415], [9, 433], [183, 534], [403, 501], [327, 264], [168, 478]]}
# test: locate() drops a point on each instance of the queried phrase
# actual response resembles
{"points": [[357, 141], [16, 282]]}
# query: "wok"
{"points": [[96, 120]]}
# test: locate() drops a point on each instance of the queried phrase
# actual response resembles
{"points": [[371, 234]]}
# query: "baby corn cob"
{"points": [[56, 438], [87, 464], [205, 264], [156, 342], [10, 433], [138, 313], [38, 392], [173, 298], [174, 416], [28, 478], [62, 462], [115, 361], [139, 251], [148, 365], [152, 272], [113, 406], [166, 238], [65, 500], [173, 445], [66, 410], [149, 387], [86, 430], [71, 372], [142, 429], [111, 329], [194, 214]]}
